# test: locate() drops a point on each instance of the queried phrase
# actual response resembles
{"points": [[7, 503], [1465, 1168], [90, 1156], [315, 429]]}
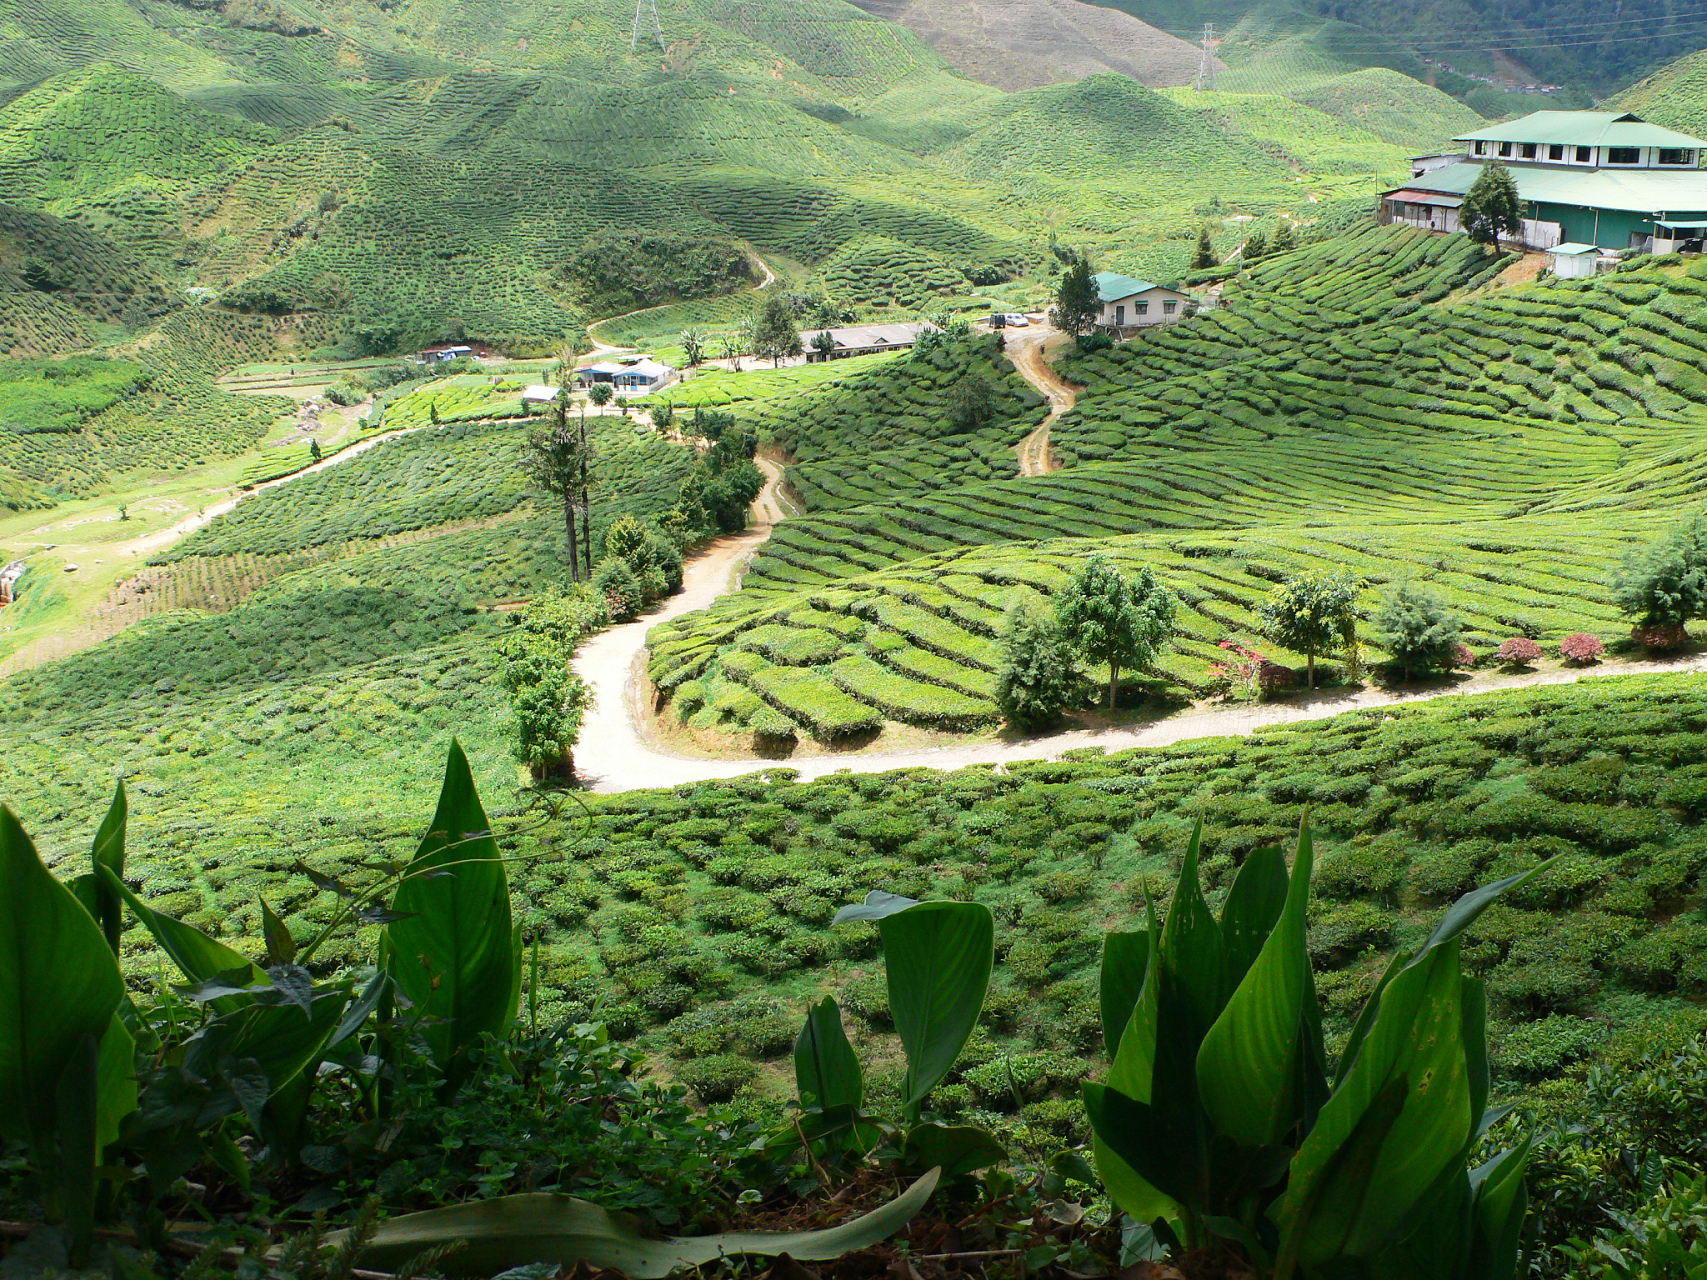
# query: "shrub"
{"points": [[1519, 651], [1415, 626], [718, 1077], [1533, 1050], [620, 588], [1664, 585], [1039, 674], [1580, 649]]}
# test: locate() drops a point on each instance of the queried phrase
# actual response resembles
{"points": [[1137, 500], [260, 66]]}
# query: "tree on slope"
{"points": [[1663, 585], [1285, 238], [1312, 614], [1077, 305], [775, 336], [1111, 618], [554, 459], [546, 697], [1418, 629], [1491, 208], [1205, 255], [1039, 669]]}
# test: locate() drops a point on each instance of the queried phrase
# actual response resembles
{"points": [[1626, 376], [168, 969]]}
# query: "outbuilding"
{"points": [[1571, 259], [540, 394], [1136, 304]]}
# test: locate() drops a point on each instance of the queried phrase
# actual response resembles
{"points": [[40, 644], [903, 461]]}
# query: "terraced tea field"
{"points": [[1375, 403]]}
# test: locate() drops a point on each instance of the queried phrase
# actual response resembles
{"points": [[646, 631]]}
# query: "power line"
{"points": [[1369, 41], [1206, 63]]}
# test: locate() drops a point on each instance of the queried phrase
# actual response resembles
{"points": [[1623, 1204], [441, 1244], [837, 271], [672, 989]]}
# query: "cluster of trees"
{"points": [[717, 493], [547, 698], [1258, 246], [1102, 616]]}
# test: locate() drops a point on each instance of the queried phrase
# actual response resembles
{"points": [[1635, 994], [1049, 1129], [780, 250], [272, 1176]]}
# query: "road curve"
{"points": [[614, 755]]}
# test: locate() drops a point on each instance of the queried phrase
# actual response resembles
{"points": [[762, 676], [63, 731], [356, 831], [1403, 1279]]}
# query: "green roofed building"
{"points": [[1136, 304], [1602, 178]]}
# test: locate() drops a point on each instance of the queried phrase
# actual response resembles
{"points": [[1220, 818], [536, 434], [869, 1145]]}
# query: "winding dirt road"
{"points": [[1026, 349], [613, 755]]}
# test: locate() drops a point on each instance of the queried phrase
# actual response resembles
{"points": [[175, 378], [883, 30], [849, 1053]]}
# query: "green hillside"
{"points": [[1366, 403], [1672, 96]]}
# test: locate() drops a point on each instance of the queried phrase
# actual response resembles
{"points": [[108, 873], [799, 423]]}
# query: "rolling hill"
{"points": [[1024, 44]]}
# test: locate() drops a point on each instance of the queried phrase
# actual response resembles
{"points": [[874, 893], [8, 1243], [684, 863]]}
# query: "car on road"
{"points": [[1009, 320]]}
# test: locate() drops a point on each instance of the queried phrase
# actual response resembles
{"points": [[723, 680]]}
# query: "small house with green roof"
{"points": [[1602, 178], [1135, 304]]}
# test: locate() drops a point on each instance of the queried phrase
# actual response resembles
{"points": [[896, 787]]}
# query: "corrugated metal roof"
{"points": [[1426, 197], [872, 335], [1112, 286], [1572, 249], [1632, 190], [1583, 129]]}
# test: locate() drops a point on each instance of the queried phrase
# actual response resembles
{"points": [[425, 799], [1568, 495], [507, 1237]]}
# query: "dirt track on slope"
{"points": [[1025, 347]]}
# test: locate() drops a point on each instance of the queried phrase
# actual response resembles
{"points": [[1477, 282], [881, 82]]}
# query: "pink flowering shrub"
{"points": [[1519, 651], [1581, 648], [1242, 671], [1463, 656]]}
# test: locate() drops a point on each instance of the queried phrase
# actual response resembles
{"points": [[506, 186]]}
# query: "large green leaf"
{"points": [[1193, 962], [1501, 1202], [198, 957], [826, 1069], [1459, 917], [59, 985], [91, 888], [1252, 909], [954, 1148], [1248, 1069], [938, 957], [512, 1231], [1125, 961], [1401, 1117], [452, 953], [1159, 1144], [1131, 1073], [109, 853], [117, 1081]]}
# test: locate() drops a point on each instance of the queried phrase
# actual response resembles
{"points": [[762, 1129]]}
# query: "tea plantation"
{"points": [[1372, 403], [703, 912]]}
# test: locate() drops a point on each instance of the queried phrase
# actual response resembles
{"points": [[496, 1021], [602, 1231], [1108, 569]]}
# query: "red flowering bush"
{"points": [[1519, 651], [1463, 656], [1242, 671], [1581, 648]]}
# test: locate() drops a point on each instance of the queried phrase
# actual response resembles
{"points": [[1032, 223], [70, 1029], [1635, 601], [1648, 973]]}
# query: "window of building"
{"points": [[1676, 155], [1481, 148], [1120, 314], [1623, 155], [1143, 308], [1556, 151], [1527, 151], [1505, 150], [1168, 307], [1585, 154]]}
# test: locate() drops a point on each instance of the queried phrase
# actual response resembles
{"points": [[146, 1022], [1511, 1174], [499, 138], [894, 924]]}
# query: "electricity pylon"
{"points": [[640, 7], [1205, 63]]}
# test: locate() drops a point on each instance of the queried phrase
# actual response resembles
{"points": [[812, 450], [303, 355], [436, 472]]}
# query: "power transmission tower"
{"points": [[640, 6], [1206, 63]]}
